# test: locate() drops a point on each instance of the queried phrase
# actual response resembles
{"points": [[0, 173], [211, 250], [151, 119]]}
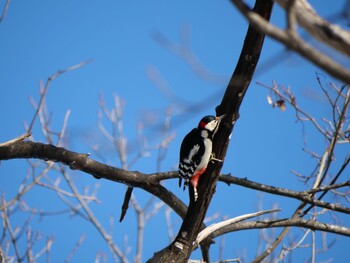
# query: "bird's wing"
{"points": [[192, 148]]}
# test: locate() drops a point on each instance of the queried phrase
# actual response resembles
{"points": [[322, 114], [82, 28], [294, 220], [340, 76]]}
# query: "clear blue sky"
{"points": [[40, 37]]}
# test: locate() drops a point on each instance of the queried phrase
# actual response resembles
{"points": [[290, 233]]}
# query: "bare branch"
{"points": [[294, 42], [25, 189], [98, 170], [45, 88], [12, 232], [140, 230], [113, 248], [217, 226], [330, 34], [290, 222], [19, 138], [285, 94], [46, 249], [302, 196], [75, 249], [286, 250], [4, 11]]}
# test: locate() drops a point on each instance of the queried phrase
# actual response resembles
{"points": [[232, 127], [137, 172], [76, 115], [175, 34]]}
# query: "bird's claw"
{"points": [[212, 158]]}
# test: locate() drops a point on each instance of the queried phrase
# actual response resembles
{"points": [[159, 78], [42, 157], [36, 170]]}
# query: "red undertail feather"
{"points": [[194, 181], [195, 178]]}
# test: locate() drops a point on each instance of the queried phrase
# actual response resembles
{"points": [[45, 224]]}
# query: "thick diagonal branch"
{"points": [[183, 245]]}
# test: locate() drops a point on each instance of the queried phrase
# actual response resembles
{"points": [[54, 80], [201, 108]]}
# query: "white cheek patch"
{"points": [[211, 125]]}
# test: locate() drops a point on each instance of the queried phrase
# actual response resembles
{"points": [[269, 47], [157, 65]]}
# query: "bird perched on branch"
{"points": [[196, 151]]}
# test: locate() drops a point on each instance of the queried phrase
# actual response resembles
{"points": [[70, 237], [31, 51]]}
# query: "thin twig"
{"points": [[75, 249], [4, 11], [11, 232], [45, 88], [140, 230], [113, 248], [17, 139]]}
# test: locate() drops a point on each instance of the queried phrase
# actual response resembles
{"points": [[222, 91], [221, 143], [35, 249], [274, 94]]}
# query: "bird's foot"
{"points": [[212, 158]]}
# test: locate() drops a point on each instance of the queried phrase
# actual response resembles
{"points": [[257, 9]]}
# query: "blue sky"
{"points": [[40, 37]]}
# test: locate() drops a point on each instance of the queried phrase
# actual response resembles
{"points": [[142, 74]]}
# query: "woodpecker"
{"points": [[196, 151]]}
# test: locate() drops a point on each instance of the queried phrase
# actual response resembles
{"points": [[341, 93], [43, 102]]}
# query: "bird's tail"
{"points": [[180, 181]]}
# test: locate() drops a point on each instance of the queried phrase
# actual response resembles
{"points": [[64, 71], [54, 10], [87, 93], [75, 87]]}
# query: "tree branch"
{"points": [[82, 162], [298, 222], [149, 182], [302, 196], [183, 244], [330, 34], [4, 11], [292, 40], [208, 231]]}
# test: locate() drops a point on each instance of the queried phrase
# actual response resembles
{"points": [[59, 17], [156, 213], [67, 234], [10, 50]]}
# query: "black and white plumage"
{"points": [[196, 151]]}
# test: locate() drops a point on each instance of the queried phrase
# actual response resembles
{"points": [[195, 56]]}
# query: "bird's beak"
{"points": [[218, 120], [220, 117]]}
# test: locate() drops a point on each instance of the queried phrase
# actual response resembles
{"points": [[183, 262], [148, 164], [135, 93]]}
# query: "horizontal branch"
{"points": [[297, 222], [82, 162], [302, 196], [148, 182]]}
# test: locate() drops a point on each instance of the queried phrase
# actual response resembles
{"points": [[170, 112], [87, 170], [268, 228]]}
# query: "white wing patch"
{"points": [[192, 153]]}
